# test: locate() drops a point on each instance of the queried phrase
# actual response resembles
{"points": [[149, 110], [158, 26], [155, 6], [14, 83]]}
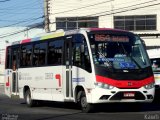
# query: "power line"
{"points": [[22, 22], [125, 8], [9, 16], [84, 7], [29, 3], [131, 9], [17, 6], [4, 1], [18, 32], [26, 8], [104, 11], [103, 14], [19, 13]]}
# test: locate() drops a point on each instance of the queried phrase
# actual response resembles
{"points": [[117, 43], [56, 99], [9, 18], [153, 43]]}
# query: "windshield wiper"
{"points": [[131, 58], [135, 62]]}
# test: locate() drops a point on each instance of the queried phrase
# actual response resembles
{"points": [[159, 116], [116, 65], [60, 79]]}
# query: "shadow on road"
{"points": [[109, 107], [66, 105], [128, 107]]}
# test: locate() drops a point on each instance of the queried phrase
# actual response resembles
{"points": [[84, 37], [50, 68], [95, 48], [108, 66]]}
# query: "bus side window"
{"points": [[81, 54], [14, 63], [26, 56], [55, 49], [39, 54], [15, 58]]}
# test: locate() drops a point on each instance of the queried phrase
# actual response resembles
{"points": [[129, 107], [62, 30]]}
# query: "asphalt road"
{"points": [[16, 109]]}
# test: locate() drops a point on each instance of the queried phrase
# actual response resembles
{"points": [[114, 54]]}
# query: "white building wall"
{"points": [[106, 11], [2, 62]]}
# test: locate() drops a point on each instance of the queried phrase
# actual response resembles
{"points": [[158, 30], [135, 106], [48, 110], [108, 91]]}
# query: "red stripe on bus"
{"points": [[25, 41], [7, 83], [125, 83], [58, 77]]}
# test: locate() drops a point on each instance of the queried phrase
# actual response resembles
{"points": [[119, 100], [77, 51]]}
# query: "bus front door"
{"points": [[68, 70], [14, 65]]}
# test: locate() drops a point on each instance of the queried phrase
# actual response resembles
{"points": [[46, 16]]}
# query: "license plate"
{"points": [[129, 94]]}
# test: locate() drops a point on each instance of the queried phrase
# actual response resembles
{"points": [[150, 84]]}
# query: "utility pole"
{"points": [[46, 16]]}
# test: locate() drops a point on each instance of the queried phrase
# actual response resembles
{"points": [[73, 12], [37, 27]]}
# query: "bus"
{"points": [[86, 66], [154, 55]]}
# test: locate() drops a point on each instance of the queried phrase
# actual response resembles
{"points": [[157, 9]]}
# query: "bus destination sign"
{"points": [[111, 38]]}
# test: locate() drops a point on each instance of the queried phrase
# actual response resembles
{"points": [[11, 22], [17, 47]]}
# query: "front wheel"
{"points": [[85, 106], [28, 99]]}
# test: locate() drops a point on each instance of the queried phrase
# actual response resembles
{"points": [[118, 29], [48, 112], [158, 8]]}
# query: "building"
{"points": [[9, 35], [141, 17]]}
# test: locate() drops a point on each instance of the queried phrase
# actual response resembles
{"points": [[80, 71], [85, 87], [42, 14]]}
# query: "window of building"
{"points": [[76, 22], [137, 22], [26, 55], [55, 50], [39, 54]]}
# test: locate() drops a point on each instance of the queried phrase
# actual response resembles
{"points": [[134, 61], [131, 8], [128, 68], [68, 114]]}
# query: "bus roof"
{"points": [[60, 33]]}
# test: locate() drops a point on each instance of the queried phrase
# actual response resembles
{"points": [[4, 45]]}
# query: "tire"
{"points": [[85, 107], [156, 97], [28, 99]]}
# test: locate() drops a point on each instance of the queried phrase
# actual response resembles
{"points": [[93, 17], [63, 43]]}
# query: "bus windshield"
{"points": [[118, 50]]}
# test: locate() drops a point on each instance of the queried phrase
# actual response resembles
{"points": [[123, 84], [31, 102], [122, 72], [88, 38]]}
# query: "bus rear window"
{"points": [[8, 58]]}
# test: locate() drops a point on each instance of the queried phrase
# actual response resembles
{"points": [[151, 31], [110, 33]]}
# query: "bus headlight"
{"points": [[105, 86], [149, 86]]}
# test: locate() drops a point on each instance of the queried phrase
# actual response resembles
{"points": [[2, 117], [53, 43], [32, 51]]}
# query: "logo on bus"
{"points": [[130, 84]]}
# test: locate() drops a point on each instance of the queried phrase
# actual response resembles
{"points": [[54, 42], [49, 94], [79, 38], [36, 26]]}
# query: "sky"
{"points": [[20, 12], [15, 15]]}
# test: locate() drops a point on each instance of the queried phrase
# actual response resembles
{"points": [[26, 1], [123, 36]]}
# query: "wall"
{"points": [[106, 10]]}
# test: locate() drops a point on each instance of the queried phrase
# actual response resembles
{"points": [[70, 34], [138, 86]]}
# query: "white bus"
{"points": [[85, 66]]}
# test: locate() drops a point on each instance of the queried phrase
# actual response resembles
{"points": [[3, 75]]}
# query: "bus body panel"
{"points": [[82, 78], [46, 82], [8, 82], [42, 82]]}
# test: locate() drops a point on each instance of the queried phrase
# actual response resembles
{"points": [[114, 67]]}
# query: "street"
{"points": [[16, 109]]}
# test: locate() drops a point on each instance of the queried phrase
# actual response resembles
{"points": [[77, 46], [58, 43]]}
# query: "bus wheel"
{"points": [[28, 99], [86, 107]]}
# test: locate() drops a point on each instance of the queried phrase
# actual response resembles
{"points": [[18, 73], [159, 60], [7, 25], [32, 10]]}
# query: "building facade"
{"points": [[141, 17]]}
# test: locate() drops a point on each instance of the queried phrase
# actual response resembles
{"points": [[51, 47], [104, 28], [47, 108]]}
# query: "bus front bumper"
{"points": [[101, 95]]}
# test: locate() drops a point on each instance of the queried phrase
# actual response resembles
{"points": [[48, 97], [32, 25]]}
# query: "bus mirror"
{"points": [[143, 42], [67, 62]]}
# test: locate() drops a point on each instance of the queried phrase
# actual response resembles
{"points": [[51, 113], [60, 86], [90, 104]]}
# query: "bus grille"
{"points": [[120, 96]]}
